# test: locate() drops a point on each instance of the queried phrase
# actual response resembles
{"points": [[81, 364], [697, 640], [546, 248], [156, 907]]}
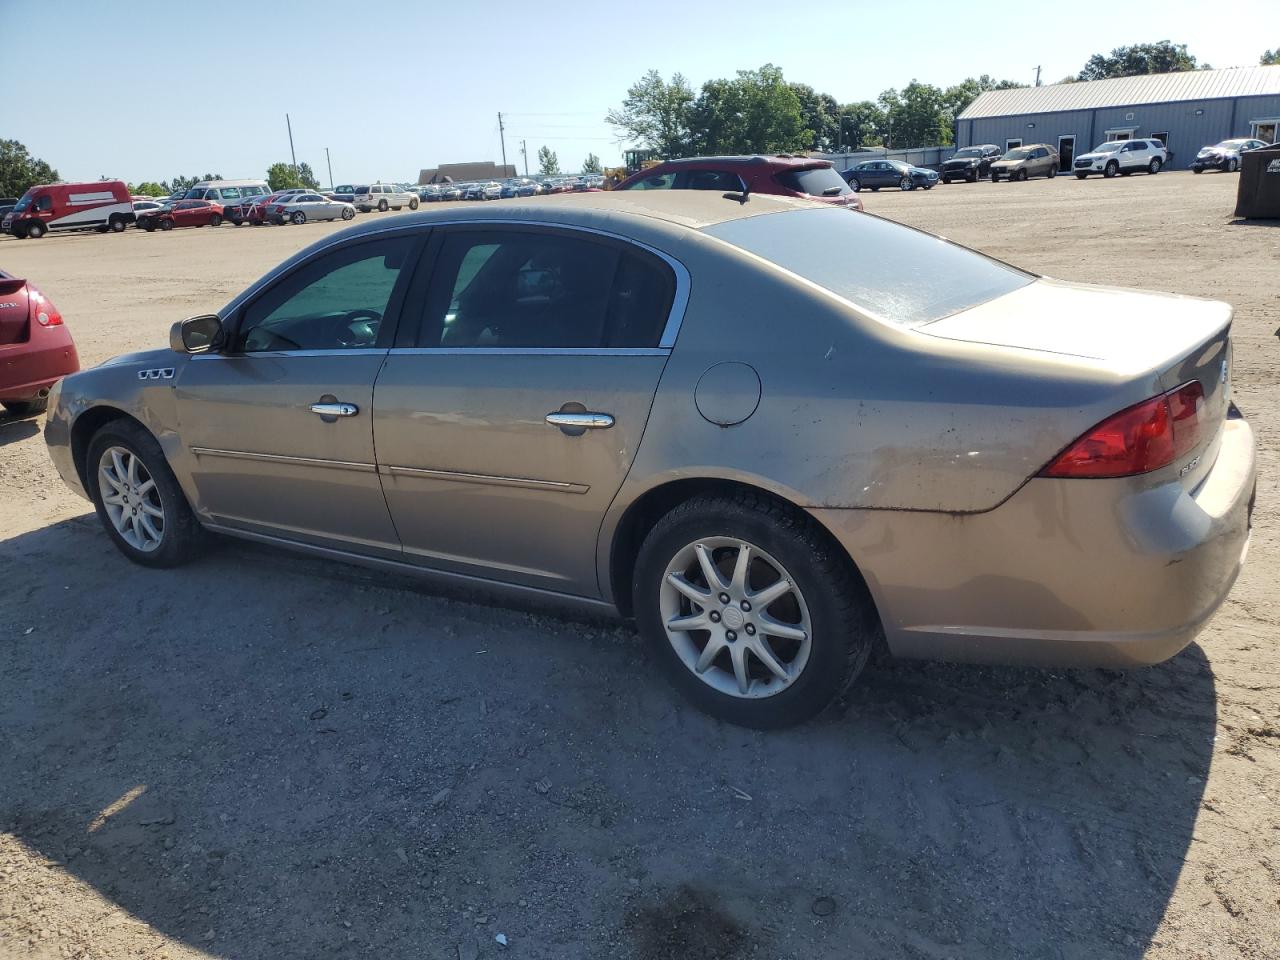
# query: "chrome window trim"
{"points": [[285, 354], [670, 331], [531, 351]]}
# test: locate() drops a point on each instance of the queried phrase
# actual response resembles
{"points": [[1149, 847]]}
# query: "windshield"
{"points": [[1232, 144], [968, 152], [896, 273], [1110, 147], [22, 204], [1016, 155], [816, 181]]}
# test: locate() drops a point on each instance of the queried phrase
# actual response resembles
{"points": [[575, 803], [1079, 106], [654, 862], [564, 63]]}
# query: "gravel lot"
{"points": [[267, 756]]}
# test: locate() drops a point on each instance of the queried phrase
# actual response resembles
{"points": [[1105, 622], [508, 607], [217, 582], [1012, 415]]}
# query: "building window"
{"points": [[1012, 144], [1266, 129], [1162, 136], [1121, 133]]}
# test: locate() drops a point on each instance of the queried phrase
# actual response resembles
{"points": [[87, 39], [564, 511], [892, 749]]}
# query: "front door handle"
{"points": [[330, 410], [575, 423]]}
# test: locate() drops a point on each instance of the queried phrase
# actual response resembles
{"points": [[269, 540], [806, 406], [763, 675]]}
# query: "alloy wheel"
{"points": [[131, 498], [735, 617]]}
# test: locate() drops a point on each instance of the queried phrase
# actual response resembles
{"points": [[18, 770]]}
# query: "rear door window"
{"points": [[709, 180], [661, 181], [544, 290]]}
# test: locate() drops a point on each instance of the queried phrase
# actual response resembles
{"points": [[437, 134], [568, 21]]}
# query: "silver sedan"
{"points": [[708, 415], [309, 206]]}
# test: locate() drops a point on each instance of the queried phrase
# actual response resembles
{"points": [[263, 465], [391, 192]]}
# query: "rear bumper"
{"points": [[1064, 573], [28, 368]]}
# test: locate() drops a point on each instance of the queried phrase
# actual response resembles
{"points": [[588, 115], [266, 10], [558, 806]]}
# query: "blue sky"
{"points": [[145, 89]]}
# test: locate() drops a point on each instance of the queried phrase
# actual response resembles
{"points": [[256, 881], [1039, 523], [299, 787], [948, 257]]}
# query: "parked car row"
{"points": [[507, 189]]}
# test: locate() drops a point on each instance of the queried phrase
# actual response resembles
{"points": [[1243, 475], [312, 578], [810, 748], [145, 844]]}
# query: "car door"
{"points": [[1133, 155], [506, 426], [279, 424]]}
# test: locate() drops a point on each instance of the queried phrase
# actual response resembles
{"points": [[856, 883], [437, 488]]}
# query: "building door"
{"points": [[1066, 152], [1266, 130]]}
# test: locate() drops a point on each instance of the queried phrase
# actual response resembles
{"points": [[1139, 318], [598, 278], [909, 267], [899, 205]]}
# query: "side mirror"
{"points": [[196, 334]]}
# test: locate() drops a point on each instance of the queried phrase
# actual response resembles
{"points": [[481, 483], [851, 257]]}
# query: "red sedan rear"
{"points": [[36, 348]]}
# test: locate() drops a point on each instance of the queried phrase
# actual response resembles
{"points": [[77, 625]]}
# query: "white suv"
{"points": [[1123, 157], [380, 196]]}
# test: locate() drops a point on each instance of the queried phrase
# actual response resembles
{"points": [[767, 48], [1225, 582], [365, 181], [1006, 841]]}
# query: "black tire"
{"points": [[1022, 174], [1111, 169], [1197, 169], [1125, 173], [116, 224], [946, 179], [166, 224], [1081, 176], [413, 204], [215, 221], [149, 227], [36, 230], [348, 213], [855, 185], [995, 177], [298, 217], [906, 183], [26, 408], [875, 189], [183, 537], [1233, 165], [972, 176], [382, 206], [842, 615]]}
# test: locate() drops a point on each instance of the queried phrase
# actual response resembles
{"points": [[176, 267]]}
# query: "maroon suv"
{"points": [[782, 175]]}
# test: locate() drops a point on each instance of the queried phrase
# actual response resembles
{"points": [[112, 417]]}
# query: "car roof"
{"points": [[693, 209], [778, 161]]}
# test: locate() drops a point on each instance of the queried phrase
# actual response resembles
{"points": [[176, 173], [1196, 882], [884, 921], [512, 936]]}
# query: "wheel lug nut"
{"points": [[746, 605], [724, 598], [715, 616], [730, 636], [751, 630]]}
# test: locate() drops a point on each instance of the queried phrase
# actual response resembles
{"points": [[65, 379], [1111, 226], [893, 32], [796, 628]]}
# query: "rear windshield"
{"points": [[817, 182], [361, 190], [902, 275], [968, 152]]}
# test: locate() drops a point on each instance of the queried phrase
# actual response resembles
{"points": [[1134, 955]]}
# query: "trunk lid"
{"points": [[1162, 339], [15, 311]]}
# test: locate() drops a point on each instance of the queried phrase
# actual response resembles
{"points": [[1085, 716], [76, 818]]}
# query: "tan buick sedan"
{"points": [[772, 432]]}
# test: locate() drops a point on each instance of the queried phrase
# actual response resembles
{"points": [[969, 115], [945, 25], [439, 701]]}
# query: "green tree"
{"points": [[861, 124], [957, 97], [1269, 58], [19, 171], [548, 162], [756, 112], [591, 164], [1140, 59], [186, 183], [149, 188], [821, 116], [308, 177], [282, 176], [916, 117], [655, 115]]}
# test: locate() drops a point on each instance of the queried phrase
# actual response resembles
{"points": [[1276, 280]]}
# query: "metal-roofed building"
{"points": [[1185, 110]]}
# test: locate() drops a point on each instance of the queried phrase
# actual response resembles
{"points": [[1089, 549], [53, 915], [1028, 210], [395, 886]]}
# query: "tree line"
{"points": [[760, 111]]}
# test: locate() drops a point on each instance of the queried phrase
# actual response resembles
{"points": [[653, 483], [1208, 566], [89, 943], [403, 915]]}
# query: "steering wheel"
{"points": [[350, 338]]}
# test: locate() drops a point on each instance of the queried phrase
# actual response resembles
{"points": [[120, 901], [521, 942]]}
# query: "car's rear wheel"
{"points": [[752, 610], [117, 224], [1111, 169], [413, 204], [138, 499], [26, 408], [1233, 165], [298, 217], [382, 206]]}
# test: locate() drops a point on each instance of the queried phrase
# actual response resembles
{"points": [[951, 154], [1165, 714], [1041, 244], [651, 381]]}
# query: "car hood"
{"points": [[1122, 330], [1009, 163], [962, 162]]}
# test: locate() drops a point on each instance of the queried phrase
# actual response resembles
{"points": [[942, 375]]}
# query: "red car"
{"points": [[782, 175], [36, 348], [184, 213], [254, 210]]}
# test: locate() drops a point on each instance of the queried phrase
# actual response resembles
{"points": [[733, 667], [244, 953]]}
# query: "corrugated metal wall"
{"points": [[1188, 129]]}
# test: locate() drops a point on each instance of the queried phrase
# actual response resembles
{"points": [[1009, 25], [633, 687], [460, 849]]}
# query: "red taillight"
{"points": [[1145, 437], [43, 311]]}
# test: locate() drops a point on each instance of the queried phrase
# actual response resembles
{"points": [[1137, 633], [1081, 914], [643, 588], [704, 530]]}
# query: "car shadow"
{"points": [[265, 755], [13, 429]]}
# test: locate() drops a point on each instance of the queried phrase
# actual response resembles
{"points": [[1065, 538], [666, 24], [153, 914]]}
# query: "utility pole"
{"points": [[1037, 76], [328, 164], [524, 149], [503, 138], [292, 155]]}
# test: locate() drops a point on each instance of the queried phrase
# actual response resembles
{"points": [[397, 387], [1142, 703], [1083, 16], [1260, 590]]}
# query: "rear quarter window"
{"points": [[816, 182], [904, 276]]}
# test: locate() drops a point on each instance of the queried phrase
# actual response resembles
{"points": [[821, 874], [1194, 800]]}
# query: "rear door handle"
{"points": [[336, 408], [577, 422]]}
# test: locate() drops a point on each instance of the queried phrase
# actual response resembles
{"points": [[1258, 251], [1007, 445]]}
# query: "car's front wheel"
{"points": [[138, 499], [1111, 169], [1233, 165], [906, 183], [752, 609], [1022, 174]]}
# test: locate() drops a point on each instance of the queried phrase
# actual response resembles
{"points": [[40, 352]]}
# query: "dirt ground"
{"points": [[267, 756]]}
